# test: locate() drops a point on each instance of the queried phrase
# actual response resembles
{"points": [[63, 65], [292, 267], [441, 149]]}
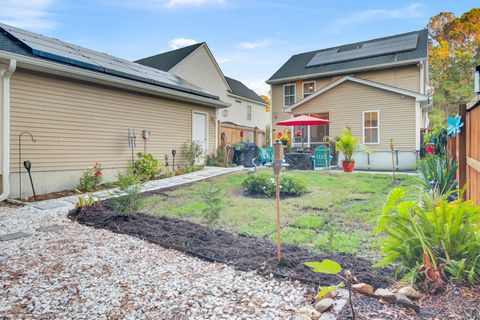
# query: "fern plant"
{"points": [[431, 238]]}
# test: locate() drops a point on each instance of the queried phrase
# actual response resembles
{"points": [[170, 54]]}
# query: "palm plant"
{"points": [[347, 144]]}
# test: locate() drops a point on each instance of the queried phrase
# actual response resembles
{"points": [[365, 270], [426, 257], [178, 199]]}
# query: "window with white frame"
{"points": [[249, 112], [308, 88], [288, 95], [371, 127]]}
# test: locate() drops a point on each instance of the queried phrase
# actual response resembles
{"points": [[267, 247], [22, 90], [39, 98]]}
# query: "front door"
{"points": [[199, 131]]}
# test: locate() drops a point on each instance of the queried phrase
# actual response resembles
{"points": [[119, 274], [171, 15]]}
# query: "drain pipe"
{"points": [[6, 74]]}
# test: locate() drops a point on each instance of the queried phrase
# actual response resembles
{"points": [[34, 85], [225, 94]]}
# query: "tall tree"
{"points": [[453, 53]]}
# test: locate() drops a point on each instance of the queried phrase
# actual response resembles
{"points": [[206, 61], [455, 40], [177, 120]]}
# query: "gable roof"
{"points": [[408, 93], [301, 66], [15, 41], [241, 90], [167, 60]]}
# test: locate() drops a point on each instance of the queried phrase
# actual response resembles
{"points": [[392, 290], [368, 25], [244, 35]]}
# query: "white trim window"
{"points": [[371, 127], [308, 88], [288, 95], [249, 113]]}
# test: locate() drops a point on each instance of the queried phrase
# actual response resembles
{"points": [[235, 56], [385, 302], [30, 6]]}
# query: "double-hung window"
{"points": [[288, 95], [308, 88], [371, 127]]}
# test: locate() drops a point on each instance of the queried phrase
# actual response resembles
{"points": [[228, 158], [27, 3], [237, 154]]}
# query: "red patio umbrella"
{"points": [[303, 121]]}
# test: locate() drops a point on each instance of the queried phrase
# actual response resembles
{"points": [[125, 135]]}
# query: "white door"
{"points": [[199, 132]]}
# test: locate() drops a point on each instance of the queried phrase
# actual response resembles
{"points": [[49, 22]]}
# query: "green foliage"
{"points": [[435, 232], [438, 136], [264, 184], [326, 266], [309, 222], [217, 160], [328, 289], [84, 200], [349, 145], [91, 178], [125, 181], [126, 205], [192, 151], [147, 167], [213, 198], [437, 174]]}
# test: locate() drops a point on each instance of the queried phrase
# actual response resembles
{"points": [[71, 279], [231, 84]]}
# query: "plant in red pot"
{"points": [[348, 145]]}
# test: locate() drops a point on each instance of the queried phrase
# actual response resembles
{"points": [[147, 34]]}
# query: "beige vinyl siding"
{"points": [[347, 102], [407, 77], [277, 106], [77, 124]]}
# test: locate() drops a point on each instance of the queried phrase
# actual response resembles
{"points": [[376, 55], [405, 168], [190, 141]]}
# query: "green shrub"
{"points": [[127, 180], [213, 198], [127, 204], [434, 236], [91, 178], [264, 184], [217, 160], [147, 167], [437, 174], [192, 151]]}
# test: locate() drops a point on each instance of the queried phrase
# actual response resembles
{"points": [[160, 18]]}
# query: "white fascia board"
{"points": [[246, 99]]}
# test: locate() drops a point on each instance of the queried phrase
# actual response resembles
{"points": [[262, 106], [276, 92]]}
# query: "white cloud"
{"points": [[254, 44], [408, 12], [191, 3], [258, 85], [28, 14], [181, 42]]}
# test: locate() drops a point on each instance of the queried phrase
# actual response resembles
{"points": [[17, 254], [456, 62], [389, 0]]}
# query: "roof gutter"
{"points": [[344, 71], [59, 69], [6, 75]]}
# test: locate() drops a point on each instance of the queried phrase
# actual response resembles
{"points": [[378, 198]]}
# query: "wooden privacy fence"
{"points": [[231, 133], [467, 150]]}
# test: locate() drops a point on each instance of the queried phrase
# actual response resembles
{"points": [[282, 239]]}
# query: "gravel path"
{"points": [[76, 272]]}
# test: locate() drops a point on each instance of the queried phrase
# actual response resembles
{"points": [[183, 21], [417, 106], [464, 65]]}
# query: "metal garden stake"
{"points": [[132, 143], [20, 158], [277, 166]]}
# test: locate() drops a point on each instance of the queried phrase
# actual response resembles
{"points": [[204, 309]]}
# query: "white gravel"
{"points": [[86, 273]]}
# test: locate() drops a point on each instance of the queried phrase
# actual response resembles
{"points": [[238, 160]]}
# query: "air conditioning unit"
{"points": [[477, 80]]}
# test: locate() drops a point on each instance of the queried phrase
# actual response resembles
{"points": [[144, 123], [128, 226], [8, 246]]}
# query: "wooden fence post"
{"points": [[461, 148]]}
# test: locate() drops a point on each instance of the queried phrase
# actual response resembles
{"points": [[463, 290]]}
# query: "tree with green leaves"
{"points": [[454, 51]]}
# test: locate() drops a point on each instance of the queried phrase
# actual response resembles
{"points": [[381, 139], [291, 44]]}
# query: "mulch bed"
{"points": [[240, 251]]}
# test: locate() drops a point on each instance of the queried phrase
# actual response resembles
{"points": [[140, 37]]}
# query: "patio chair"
{"points": [[318, 159], [264, 157]]}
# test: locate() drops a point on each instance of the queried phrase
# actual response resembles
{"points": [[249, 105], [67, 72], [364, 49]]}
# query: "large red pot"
{"points": [[348, 165]]}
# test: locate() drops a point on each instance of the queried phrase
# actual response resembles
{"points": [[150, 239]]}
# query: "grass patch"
{"points": [[348, 201]]}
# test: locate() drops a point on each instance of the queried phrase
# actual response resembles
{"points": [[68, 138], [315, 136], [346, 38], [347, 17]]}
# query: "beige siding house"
{"points": [[197, 64], [80, 115], [381, 95]]}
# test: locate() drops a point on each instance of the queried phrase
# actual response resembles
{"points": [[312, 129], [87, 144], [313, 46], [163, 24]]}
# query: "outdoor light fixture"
{"points": [[28, 165], [174, 152], [145, 135]]}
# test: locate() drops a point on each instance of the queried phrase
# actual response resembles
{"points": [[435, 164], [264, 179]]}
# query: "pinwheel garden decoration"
{"points": [[454, 125]]}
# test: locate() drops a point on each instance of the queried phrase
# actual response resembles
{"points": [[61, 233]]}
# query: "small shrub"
{"points": [[214, 205], [91, 178], [147, 167], [217, 160], [192, 151], [431, 239], [178, 172], [128, 204], [437, 174], [84, 200], [127, 180], [264, 184]]}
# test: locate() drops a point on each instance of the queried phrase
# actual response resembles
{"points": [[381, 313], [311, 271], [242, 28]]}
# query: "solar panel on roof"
{"points": [[365, 50], [54, 49]]}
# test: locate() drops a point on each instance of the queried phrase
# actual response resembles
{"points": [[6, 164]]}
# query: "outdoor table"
{"points": [[299, 160]]}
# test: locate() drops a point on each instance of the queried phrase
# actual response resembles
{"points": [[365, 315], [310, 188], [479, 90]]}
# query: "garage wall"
{"points": [[77, 124]]}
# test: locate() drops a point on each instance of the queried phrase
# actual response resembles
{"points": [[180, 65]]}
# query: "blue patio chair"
{"points": [[319, 160], [264, 157]]}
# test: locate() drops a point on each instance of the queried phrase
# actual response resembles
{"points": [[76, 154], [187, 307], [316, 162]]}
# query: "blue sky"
{"points": [[250, 39]]}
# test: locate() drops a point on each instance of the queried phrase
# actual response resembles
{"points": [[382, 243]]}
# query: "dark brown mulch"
{"points": [[241, 251]]}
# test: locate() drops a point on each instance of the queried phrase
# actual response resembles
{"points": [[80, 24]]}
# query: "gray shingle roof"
{"points": [[242, 90], [167, 60], [296, 66]]}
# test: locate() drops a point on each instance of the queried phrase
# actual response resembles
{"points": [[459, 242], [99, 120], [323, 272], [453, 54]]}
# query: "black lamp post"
{"points": [[174, 152]]}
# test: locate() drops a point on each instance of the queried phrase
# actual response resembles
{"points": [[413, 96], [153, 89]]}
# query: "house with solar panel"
{"points": [[83, 107], [378, 88], [248, 113]]}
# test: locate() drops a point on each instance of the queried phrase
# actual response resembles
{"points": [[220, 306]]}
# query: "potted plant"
{"points": [[284, 140], [348, 145]]}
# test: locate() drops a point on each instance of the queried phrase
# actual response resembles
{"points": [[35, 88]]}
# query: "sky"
{"points": [[250, 39]]}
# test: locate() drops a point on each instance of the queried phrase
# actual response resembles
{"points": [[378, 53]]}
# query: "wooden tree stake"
{"points": [[277, 165]]}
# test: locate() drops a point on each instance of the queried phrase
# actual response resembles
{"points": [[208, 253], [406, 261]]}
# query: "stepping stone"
{"points": [[13, 236], [72, 200], [48, 205], [50, 228]]}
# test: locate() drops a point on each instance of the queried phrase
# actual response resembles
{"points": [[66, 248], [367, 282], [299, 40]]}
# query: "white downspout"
{"points": [[6, 74]]}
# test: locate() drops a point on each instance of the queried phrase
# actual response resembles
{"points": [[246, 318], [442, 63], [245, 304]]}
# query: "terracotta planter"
{"points": [[348, 165]]}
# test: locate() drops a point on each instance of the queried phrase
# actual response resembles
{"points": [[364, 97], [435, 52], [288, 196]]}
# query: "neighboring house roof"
{"points": [[167, 60], [25, 43], [408, 93], [382, 52], [241, 90]]}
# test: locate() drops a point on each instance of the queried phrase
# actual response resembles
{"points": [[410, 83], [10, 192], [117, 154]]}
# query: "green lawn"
{"points": [[335, 215]]}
